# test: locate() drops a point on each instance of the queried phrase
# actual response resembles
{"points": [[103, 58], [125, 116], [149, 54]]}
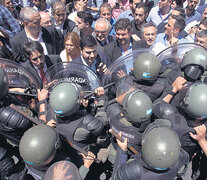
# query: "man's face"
{"points": [[139, 16], [192, 4], [8, 4], [202, 41], [37, 59], [123, 36], [201, 27], [37, 3], [164, 3], [105, 13], [204, 16], [101, 31], [89, 54], [169, 27], [45, 20], [60, 15], [80, 24], [34, 24], [149, 35]]}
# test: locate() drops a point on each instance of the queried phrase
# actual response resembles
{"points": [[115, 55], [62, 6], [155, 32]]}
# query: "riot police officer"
{"points": [[145, 75], [40, 147], [134, 116], [161, 156], [71, 118]]}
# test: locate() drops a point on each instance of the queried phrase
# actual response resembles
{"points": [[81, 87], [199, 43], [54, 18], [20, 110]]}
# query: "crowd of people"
{"points": [[146, 116]]}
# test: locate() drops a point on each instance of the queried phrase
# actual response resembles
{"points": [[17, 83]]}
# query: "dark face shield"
{"points": [[193, 72]]}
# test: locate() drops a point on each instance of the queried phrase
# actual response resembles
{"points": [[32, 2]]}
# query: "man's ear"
{"points": [[87, 25], [177, 30]]}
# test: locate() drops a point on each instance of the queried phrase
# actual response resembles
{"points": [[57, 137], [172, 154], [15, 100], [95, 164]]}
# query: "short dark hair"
{"points": [[123, 24], [179, 22], [181, 10], [202, 34], [139, 6], [31, 47], [203, 21], [87, 41], [85, 16]]}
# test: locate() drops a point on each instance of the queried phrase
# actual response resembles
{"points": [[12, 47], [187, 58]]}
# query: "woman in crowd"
{"points": [[72, 47]]}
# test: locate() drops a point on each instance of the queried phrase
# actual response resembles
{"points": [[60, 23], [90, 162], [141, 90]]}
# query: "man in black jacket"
{"points": [[123, 43]]}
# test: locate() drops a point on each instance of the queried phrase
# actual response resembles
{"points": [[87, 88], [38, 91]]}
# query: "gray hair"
{"points": [[55, 4], [26, 13], [103, 20], [149, 24]]}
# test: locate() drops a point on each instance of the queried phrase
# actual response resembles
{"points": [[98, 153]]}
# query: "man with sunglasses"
{"points": [[38, 63]]}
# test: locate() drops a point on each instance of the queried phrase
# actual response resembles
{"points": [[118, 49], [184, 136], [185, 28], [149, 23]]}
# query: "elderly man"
{"points": [[105, 11], [102, 28], [123, 43], [33, 32], [62, 24], [45, 19]]}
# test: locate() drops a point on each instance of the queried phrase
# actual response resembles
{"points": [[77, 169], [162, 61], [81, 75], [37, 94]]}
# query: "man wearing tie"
{"points": [[38, 63]]}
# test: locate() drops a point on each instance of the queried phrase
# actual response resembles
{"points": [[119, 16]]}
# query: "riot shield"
{"points": [[122, 66], [173, 55], [18, 76], [71, 72]]}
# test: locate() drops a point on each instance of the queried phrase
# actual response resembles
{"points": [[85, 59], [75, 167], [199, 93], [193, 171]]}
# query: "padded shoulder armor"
{"points": [[162, 109], [131, 170], [92, 124], [12, 120]]}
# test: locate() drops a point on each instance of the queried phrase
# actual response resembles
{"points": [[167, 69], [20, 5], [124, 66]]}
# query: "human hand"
{"points": [[89, 159], [102, 68], [99, 91], [200, 133], [84, 102], [42, 94], [135, 37], [51, 123], [122, 145], [121, 73], [178, 84]]}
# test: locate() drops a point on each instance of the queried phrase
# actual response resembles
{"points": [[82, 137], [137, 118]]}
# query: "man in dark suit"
{"points": [[38, 63], [33, 32], [62, 24], [123, 43], [102, 29], [90, 57]]}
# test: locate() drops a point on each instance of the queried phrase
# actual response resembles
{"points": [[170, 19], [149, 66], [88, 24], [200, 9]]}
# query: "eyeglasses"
{"points": [[38, 57], [100, 32]]}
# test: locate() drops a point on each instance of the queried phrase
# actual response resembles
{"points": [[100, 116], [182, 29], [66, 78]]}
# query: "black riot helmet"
{"points": [[38, 145], [160, 145], [146, 67], [3, 83], [137, 106], [65, 98], [194, 100], [194, 63]]}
